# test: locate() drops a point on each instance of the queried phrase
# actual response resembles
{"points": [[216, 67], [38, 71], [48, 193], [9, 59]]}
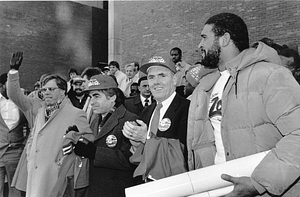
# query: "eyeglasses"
{"points": [[50, 89]]}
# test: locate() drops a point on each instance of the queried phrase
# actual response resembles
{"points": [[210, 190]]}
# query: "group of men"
{"points": [[244, 102]]}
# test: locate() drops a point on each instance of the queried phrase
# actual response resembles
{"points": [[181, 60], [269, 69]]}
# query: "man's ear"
{"points": [[225, 39], [113, 98]]}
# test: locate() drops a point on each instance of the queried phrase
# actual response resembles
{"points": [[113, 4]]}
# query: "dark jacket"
{"points": [[178, 115], [75, 101], [135, 105], [111, 172]]}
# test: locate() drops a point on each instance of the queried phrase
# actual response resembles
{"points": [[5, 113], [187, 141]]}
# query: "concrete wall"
{"points": [[150, 27], [54, 36]]}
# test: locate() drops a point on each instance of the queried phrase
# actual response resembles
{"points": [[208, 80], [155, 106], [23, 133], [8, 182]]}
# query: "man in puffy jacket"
{"points": [[251, 104]]}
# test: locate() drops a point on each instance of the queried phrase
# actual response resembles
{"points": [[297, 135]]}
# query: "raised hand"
{"points": [[16, 60]]}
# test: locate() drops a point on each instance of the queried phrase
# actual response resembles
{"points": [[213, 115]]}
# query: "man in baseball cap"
{"points": [[166, 118], [110, 149], [159, 60], [76, 95]]}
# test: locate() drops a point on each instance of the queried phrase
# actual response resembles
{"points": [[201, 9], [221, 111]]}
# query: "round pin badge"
{"points": [[111, 141], [164, 124]]}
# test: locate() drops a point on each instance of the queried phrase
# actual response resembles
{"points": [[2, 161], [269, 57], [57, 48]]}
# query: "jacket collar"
{"points": [[112, 122]]}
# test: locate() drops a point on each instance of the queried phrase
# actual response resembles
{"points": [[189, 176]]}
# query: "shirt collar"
{"points": [[143, 99], [168, 101]]}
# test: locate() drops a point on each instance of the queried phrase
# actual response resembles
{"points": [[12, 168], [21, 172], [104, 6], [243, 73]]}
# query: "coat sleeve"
{"points": [[281, 167], [16, 95]]}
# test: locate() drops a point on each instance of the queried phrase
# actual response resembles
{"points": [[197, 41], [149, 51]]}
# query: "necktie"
{"points": [[155, 119], [146, 102]]}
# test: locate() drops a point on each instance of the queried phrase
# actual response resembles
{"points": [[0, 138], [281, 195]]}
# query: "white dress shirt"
{"points": [[9, 112], [165, 105]]}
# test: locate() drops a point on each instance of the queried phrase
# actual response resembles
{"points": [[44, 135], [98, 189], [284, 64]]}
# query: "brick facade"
{"points": [[150, 27]]}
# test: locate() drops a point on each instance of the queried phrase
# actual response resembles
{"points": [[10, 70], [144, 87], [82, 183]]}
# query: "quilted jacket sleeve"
{"points": [[281, 167]]}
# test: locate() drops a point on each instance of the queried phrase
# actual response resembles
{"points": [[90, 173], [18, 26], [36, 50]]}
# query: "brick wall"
{"points": [[150, 27]]}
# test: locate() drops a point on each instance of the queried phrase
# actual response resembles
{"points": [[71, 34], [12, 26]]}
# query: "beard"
{"points": [[78, 92], [212, 56]]}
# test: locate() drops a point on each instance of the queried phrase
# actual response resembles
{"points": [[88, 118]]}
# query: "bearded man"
{"points": [[249, 105], [76, 94]]}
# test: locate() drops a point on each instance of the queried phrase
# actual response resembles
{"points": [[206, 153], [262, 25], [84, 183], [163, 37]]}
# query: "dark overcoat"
{"points": [[111, 172]]}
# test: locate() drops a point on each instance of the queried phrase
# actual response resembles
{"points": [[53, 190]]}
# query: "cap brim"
{"points": [[79, 81], [96, 88], [145, 67]]}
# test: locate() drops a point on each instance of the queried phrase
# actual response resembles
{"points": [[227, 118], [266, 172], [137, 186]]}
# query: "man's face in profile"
{"points": [[210, 47]]}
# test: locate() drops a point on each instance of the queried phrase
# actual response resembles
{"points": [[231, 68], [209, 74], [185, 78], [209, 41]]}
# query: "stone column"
{"points": [[114, 33]]}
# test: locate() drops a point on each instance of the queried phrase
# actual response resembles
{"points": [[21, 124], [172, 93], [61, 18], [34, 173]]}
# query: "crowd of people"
{"points": [[104, 130]]}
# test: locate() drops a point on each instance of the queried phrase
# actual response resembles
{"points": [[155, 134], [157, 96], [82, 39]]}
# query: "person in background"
{"points": [[291, 59], [134, 89], [77, 97], [125, 87], [37, 93], [192, 81], [105, 71], [161, 129], [111, 172], [86, 75], [248, 105], [137, 72], [137, 103], [72, 72], [181, 68], [12, 122], [114, 68], [193, 76], [36, 86]]}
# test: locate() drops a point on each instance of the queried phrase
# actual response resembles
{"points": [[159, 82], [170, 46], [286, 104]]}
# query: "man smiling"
{"points": [[162, 126]]}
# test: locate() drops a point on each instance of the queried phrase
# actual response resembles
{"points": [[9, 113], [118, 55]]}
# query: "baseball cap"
{"points": [[192, 76], [196, 72], [101, 82], [159, 60], [105, 68], [77, 79]]}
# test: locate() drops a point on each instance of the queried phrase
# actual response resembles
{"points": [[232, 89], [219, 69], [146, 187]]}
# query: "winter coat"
{"points": [[260, 111], [111, 172]]}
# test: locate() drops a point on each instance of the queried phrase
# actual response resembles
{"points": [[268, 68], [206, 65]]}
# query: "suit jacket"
{"points": [[135, 105], [178, 115], [111, 172], [157, 156]]}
